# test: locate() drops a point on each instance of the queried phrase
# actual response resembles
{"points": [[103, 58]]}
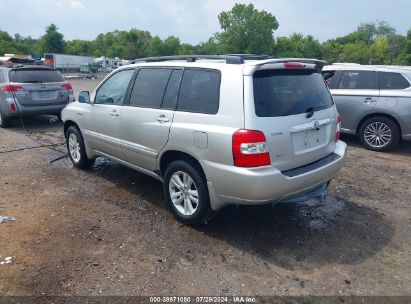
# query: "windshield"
{"points": [[289, 92], [35, 76]]}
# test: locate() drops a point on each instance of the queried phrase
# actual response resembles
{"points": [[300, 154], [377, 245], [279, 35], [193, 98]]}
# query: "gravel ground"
{"points": [[107, 231]]}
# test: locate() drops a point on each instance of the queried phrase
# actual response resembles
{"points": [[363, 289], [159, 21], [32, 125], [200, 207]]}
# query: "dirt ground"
{"points": [[107, 231]]}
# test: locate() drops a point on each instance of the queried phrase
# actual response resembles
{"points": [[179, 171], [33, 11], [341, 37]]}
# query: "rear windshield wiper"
{"points": [[311, 110]]}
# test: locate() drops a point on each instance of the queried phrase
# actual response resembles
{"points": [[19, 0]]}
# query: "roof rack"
{"points": [[229, 59]]}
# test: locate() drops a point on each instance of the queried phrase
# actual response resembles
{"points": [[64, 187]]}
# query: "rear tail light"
{"points": [[13, 107], [294, 65], [67, 86], [250, 149], [337, 134], [11, 88]]}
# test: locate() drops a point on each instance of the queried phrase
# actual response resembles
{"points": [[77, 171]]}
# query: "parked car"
{"points": [[374, 102], [31, 91], [216, 130]]}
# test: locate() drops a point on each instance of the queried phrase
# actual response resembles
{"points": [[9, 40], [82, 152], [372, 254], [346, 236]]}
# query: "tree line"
{"points": [[244, 30]]}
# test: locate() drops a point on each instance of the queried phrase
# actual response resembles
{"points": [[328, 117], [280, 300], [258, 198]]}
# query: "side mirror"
{"points": [[84, 97]]}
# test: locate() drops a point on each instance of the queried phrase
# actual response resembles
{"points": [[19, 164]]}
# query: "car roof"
{"points": [[249, 63], [381, 68]]}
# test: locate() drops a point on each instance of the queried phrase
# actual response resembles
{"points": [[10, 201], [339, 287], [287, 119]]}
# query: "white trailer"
{"points": [[63, 62]]}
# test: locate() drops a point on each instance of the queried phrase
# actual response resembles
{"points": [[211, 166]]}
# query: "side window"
{"points": [[114, 89], [393, 81], [149, 88], [330, 78], [170, 96], [358, 80], [200, 91]]}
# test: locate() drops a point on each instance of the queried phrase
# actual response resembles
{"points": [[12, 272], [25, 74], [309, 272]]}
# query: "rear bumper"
{"points": [[256, 186], [35, 110]]}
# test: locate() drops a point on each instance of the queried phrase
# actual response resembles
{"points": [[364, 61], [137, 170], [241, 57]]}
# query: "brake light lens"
{"points": [[11, 88], [67, 86], [337, 134], [294, 65], [250, 149]]}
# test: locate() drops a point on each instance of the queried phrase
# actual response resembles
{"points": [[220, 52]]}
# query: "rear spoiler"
{"points": [[251, 67]]}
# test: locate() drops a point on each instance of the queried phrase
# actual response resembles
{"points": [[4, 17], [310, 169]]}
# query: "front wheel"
{"points": [[186, 192], [379, 133], [76, 148]]}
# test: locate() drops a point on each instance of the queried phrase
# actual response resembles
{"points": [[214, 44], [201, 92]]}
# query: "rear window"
{"points": [[36, 76], [289, 92], [393, 81], [358, 80]]}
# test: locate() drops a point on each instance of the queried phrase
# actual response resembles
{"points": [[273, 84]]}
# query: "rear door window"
{"points": [[358, 80], [393, 81], [200, 91], [330, 78], [149, 88], [35, 76], [289, 92]]}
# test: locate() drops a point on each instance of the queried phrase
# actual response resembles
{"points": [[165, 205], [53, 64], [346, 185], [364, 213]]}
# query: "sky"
{"points": [[196, 20]]}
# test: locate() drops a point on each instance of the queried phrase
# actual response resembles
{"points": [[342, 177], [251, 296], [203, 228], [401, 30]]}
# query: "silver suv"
{"points": [[32, 91], [374, 102], [216, 130]]}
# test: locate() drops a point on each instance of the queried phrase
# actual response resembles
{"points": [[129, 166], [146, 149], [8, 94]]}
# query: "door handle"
{"points": [[114, 113], [369, 100], [163, 119]]}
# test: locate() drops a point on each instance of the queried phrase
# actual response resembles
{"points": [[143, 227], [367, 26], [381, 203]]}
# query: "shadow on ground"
{"points": [[305, 235]]}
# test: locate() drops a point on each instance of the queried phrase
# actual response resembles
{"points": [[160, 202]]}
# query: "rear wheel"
{"points": [[186, 192], [5, 122], [76, 148], [379, 133]]}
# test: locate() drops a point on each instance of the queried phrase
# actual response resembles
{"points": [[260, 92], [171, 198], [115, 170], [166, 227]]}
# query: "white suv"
{"points": [[217, 130]]}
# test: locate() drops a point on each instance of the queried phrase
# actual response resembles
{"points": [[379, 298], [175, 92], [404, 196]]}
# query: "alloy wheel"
{"points": [[74, 147], [183, 193], [377, 134]]}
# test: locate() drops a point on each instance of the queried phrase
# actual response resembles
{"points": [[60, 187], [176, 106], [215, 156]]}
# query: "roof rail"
{"points": [[229, 59]]}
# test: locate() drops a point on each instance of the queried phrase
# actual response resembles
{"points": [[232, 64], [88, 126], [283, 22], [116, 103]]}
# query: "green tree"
{"points": [[79, 47], [7, 44], [171, 46], [405, 55], [246, 30], [297, 46], [155, 47], [186, 49], [52, 41]]}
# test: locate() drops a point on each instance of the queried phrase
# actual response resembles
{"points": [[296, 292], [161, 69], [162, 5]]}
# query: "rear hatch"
{"points": [[294, 109], [39, 87]]}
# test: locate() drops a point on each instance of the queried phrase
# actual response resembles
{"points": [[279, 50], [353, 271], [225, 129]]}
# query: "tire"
{"points": [[379, 133], [5, 122], [76, 149], [184, 207]]}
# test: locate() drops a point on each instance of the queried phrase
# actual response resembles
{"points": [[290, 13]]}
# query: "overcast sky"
{"points": [[196, 20]]}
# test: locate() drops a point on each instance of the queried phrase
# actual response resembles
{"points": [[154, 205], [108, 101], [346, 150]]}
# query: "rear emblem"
{"points": [[43, 86]]}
